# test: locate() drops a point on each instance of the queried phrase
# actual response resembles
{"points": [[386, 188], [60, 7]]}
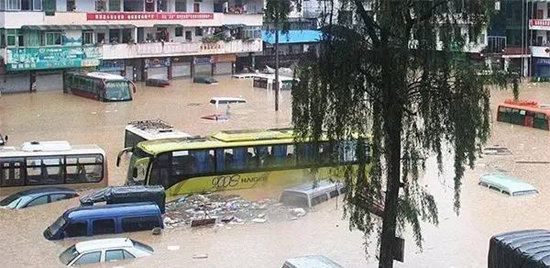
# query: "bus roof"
{"points": [[9, 151], [103, 76], [220, 139], [537, 109], [155, 129]]}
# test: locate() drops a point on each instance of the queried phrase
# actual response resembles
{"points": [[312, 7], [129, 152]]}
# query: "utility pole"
{"points": [[276, 84]]}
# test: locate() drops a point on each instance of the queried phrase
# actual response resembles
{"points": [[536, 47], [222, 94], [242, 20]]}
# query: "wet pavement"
{"points": [[458, 241]]}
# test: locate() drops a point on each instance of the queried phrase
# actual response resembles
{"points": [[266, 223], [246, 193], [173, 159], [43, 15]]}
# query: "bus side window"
{"points": [[224, 159], [291, 155], [279, 155], [240, 158], [540, 121], [34, 170], [52, 170], [262, 156], [347, 151], [203, 160]]}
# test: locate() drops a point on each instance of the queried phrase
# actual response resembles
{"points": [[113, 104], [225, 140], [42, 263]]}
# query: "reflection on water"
{"points": [[458, 241]]}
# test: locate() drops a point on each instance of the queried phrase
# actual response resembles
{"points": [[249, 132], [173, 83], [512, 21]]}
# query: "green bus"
{"points": [[99, 86], [235, 159]]}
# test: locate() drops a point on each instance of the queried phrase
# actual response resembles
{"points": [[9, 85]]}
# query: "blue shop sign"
{"points": [[157, 63], [202, 60], [545, 62]]}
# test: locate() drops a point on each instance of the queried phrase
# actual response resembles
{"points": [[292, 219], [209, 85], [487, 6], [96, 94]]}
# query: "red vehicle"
{"points": [[524, 113]]}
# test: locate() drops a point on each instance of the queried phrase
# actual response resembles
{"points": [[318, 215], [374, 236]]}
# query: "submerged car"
{"points": [[157, 82], [311, 261], [104, 250], [226, 100], [204, 80], [309, 194], [3, 139], [507, 184], [37, 196]]}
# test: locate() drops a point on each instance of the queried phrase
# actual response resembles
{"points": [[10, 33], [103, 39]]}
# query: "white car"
{"points": [[104, 250]]}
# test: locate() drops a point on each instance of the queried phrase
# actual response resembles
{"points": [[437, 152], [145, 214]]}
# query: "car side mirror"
{"points": [[134, 173]]}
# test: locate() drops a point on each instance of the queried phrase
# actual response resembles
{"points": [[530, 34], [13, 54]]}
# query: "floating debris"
{"points": [[200, 256]]}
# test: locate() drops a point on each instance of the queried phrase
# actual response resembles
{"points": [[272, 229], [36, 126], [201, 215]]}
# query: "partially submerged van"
{"points": [[309, 194], [226, 100], [106, 219], [507, 184]]}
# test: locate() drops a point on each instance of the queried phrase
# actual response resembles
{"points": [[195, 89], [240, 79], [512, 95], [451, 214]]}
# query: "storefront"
{"points": [[542, 67], [181, 67], [223, 64], [49, 80], [157, 68], [203, 66]]}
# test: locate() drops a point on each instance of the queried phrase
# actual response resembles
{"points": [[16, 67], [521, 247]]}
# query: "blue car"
{"points": [[106, 219], [37, 196]]}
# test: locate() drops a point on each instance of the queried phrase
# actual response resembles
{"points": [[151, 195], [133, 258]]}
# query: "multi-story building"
{"points": [[539, 38], [136, 38]]}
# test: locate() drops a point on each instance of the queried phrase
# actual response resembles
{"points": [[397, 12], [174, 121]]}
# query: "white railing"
{"points": [[127, 51]]}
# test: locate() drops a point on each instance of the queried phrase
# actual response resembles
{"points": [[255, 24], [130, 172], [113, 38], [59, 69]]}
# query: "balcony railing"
{"points": [[127, 51]]}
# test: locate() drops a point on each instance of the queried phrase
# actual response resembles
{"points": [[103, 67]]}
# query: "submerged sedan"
{"points": [[37, 196]]}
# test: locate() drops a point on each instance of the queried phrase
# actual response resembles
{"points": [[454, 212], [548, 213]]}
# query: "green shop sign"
{"points": [[39, 58]]}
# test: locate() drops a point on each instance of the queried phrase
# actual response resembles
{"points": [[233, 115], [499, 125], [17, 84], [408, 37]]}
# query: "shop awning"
{"points": [[167, 25], [76, 27]]}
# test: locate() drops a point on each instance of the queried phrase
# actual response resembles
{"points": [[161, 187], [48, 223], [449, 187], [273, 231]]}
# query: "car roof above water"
{"points": [[312, 188], [115, 210], [506, 183], [99, 244], [46, 190]]}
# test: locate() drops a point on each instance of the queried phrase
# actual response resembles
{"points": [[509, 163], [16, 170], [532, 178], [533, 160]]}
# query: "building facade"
{"points": [[139, 39]]}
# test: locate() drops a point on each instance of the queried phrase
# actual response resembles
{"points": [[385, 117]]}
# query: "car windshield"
{"points": [[294, 199], [118, 90], [14, 201], [54, 228], [68, 255]]}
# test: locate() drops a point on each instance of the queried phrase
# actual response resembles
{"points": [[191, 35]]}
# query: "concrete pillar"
{"points": [[212, 69], [506, 64], [193, 69]]}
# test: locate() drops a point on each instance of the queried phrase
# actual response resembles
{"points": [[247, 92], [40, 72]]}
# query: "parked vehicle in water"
{"points": [[204, 80], [59, 163], [157, 82], [145, 130], [525, 248], [37, 196], [524, 113], [105, 219], [127, 194], [226, 100], [311, 261], [237, 159], [507, 184], [104, 250], [310, 194], [99, 86]]}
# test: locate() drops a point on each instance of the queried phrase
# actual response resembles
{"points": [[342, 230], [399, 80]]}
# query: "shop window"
{"points": [[198, 31], [188, 36], [114, 36], [162, 5], [11, 37], [71, 5], [100, 38], [179, 31], [53, 39]]}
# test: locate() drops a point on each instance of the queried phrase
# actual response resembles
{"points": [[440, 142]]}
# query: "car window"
{"points": [[114, 255], [57, 197], [319, 199], [139, 223], [38, 201], [106, 226], [128, 255], [77, 229], [89, 258]]}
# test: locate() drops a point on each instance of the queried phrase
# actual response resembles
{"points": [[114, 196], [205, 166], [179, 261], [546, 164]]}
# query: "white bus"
{"points": [[99, 86], [51, 163], [267, 81], [144, 130]]}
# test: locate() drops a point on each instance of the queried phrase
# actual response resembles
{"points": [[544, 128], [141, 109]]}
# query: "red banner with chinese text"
{"points": [[149, 16]]}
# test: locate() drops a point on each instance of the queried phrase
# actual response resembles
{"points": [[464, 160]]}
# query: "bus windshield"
{"points": [[139, 161], [118, 90]]}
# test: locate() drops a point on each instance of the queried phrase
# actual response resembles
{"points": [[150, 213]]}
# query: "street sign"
{"points": [[399, 249]]}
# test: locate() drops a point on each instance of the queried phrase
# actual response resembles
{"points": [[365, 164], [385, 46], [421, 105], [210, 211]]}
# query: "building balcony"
{"points": [[15, 20], [172, 49]]}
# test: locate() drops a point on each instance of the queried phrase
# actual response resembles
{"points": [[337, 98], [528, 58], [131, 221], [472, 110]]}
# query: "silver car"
{"points": [[104, 250]]}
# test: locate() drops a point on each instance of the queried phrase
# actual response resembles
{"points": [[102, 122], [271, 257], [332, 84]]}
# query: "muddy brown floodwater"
{"points": [[458, 241]]}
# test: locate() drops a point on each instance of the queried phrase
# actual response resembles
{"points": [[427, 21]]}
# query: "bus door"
{"points": [[12, 172], [529, 117]]}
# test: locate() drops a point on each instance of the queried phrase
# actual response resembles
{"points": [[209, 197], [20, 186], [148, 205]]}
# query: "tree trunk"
{"points": [[276, 83], [392, 128]]}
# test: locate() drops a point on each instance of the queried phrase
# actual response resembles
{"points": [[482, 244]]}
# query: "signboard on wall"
{"points": [[111, 65], [202, 60], [149, 16], [224, 58], [39, 58], [539, 24]]}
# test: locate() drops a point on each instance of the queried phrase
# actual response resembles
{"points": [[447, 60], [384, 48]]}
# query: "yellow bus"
{"points": [[236, 159]]}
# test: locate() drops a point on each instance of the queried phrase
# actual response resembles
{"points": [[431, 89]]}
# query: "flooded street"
{"points": [[458, 241]]}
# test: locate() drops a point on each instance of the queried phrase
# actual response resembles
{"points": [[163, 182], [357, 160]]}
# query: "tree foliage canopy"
{"points": [[399, 74]]}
